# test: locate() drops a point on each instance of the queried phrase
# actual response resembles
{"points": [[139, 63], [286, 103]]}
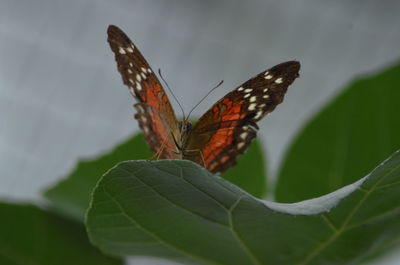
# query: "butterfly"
{"points": [[222, 133]]}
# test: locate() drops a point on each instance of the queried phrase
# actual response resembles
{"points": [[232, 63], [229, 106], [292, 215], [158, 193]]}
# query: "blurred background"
{"points": [[62, 99]]}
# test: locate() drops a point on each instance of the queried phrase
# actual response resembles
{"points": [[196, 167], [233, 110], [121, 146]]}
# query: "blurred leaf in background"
{"points": [[29, 235], [72, 195], [346, 140]]}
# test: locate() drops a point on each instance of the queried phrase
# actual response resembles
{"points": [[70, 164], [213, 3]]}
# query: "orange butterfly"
{"points": [[222, 133]]}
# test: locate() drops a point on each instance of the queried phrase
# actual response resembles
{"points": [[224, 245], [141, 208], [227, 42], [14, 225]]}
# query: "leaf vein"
{"points": [[347, 220], [246, 249], [177, 205], [155, 236]]}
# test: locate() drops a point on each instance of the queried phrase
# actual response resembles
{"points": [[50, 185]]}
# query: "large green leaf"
{"points": [[31, 236], [71, 196], [345, 141], [178, 210]]}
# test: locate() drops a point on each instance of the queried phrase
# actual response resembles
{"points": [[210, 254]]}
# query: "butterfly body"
{"points": [[184, 128], [222, 133]]}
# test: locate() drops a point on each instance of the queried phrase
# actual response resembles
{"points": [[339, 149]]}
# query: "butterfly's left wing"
{"points": [[228, 127], [154, 111]]}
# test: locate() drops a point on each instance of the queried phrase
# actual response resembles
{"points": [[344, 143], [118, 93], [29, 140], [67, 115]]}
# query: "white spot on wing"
{"points": [[252, 106], [138, 78], [243, 135], [268, 76], [247, 95], [240, 145], [121, 50], [248, 90], [266, 96], [279, 80], [145, 129], [143, 75], [265, 90], [129, 49], [140, 108], [253, 99], [240, 88], [138, 86], [258, 115], [129, 71]]}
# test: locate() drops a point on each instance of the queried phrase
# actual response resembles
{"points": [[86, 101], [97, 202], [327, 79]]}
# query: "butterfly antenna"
{"points": [[201, 100], [172, 93]]}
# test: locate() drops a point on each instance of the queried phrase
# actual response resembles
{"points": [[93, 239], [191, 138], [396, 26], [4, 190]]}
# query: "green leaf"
{"points": [[360, 128], [253, 181], [178, 210], [71, 196], [31, 236]]}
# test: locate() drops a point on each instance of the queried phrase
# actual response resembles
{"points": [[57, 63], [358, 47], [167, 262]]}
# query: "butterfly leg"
{"points": [[156, 155], [202, 158], [159, 151]]}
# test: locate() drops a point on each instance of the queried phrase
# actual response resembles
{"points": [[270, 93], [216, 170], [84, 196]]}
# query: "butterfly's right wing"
{"points": [[154, 111], [228, 127]]}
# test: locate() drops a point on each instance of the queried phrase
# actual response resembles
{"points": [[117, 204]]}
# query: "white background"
{"points": [[62, 99]]}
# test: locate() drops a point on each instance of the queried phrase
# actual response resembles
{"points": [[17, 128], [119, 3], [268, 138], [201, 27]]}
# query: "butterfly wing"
{"points": [[228, 127], [154, 111]]}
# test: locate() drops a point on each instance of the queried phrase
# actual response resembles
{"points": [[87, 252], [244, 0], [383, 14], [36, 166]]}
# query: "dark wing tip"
{"points": [[112, 29], [114, 32], [288, 69], [292, 66], [116, 38]]}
